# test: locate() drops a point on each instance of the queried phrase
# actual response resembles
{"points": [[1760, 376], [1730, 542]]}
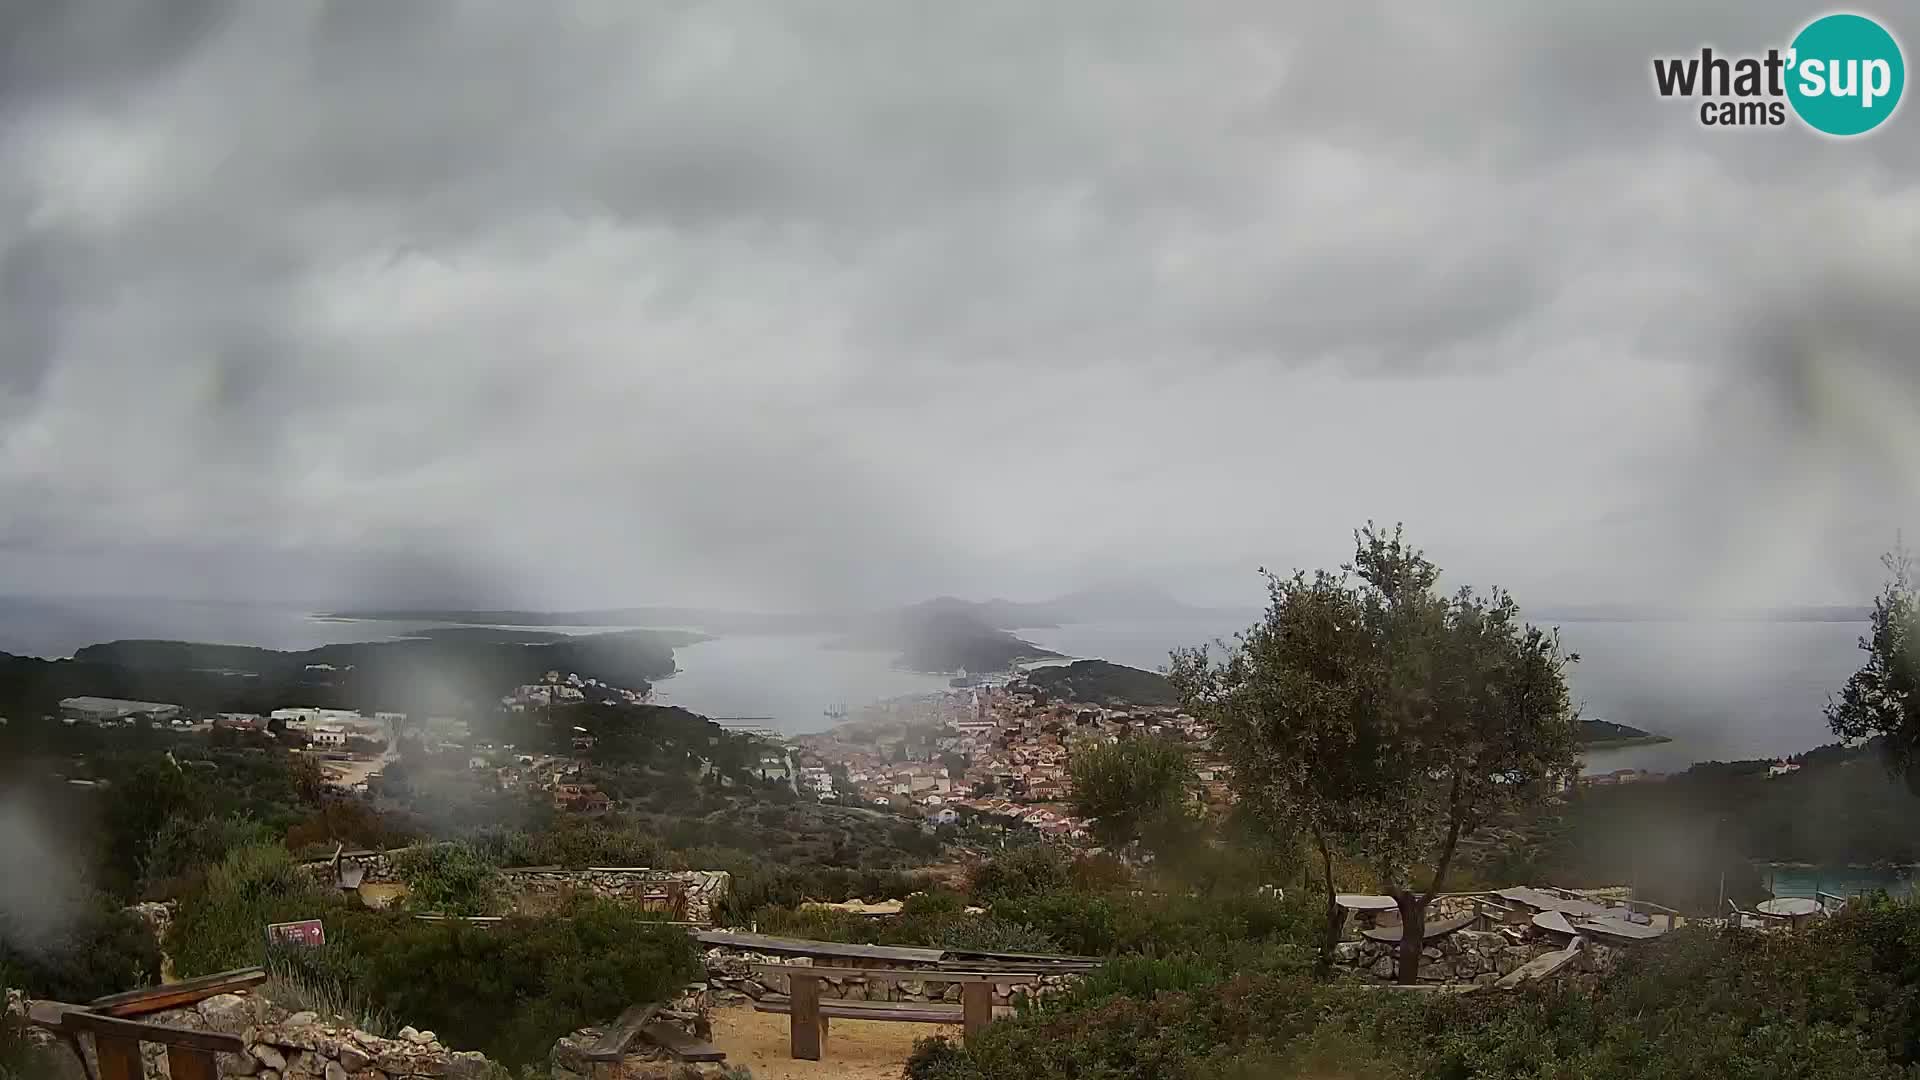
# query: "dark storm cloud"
{"points": [[776, 304]]}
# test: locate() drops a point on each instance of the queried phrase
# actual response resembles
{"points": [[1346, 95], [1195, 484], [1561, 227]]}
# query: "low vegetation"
{"points": [[507, 989], [1835, 1002]]}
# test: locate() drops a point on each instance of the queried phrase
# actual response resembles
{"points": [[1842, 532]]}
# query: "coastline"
{"points": [[1622, 744]]}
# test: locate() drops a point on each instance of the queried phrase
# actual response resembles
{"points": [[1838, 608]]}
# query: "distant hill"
{"points": [[412, 674], [1097, 682], [937, 638]]}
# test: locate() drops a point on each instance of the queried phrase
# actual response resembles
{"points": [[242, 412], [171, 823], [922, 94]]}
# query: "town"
{"points": [[995, 751]]}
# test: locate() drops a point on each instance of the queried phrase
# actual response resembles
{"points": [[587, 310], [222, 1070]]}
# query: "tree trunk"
{"points": [[1335, 917], [1413, 935]]}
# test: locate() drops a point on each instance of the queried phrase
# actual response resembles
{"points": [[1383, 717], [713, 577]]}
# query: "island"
{"points": [[1606, 735], [1099, 682], [443, 669], [937, 639]]}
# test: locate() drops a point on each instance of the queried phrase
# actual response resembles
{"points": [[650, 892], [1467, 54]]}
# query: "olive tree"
{"points": [[1883, 697], [1129, 785], [1385, 718]]}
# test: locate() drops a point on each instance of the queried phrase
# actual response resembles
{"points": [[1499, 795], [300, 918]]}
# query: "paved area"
{"points": [[856, 1049]]}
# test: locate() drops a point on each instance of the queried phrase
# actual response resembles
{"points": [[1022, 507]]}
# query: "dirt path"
{"points": [[855, 1050]]}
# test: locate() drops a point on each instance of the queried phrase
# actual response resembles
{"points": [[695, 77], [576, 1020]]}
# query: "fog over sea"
{"points": [[1720, 689]]}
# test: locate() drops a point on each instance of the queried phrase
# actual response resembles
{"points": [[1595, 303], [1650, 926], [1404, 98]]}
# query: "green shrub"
{"points": [[1831, 1002], [18, 1058], [985, 933], [937, 902], [222, 925], [1027, 870], [451, 879], [320, 980], [1143, 977], [184, 847], [820, 924], [1084, 924], [99, 949], [511, 989]]}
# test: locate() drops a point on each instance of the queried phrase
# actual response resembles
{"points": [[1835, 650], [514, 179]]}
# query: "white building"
{"points": [[327, 735]]}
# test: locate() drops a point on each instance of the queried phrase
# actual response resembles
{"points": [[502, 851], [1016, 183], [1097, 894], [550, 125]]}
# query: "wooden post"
{"points": [[119, 1057], [808, 1028], [976, 1006], [186, 1063]]}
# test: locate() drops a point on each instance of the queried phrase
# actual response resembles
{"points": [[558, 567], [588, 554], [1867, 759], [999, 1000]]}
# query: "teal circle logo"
{"points": [[1845, 75]]}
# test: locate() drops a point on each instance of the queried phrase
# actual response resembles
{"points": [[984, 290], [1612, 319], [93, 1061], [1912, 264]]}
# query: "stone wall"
{"points": [[1464, 956], [297, 1046], [732, 979], [704, 889]]}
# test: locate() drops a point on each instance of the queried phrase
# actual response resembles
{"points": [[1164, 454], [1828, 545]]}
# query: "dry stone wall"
{"points": [[284, 1045], [703, 889], [1465, 956]]}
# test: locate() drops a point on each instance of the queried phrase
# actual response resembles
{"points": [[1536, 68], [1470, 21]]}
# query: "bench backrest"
{"points": [[917, 974]]}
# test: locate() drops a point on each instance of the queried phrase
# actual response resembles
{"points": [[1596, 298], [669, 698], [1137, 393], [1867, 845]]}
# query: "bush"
{"points": [[511, 989], [18, 1058], [1027, 870], [222, 925], [1142, 977], [319, 980], [451, 879], [1084, 924], [99, 950], [184, 847], [821, 924], [984, 933], [928, 904], [1838, 1000]]}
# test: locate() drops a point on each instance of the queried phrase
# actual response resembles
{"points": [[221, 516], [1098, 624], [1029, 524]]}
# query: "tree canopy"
{"points": [[1128, 785], [1883, 697], [1385, 718]]}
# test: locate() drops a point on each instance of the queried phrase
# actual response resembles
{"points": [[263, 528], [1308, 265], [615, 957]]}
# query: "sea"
{"points": [[1718, 690]]}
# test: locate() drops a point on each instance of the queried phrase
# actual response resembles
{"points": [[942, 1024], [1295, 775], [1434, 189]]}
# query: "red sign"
{"points": [[306, 932]]}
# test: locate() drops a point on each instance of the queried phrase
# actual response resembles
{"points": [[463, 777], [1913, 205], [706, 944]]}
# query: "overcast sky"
{"points": [[781, 304]]}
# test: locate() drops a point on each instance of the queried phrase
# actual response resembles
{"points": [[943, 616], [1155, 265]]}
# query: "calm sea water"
{"points": [[1731, 690], [1719, 690]]}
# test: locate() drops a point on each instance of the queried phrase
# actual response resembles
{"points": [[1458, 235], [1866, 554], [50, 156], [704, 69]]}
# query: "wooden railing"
{"points": [[117, 1037], [116, 1042]]}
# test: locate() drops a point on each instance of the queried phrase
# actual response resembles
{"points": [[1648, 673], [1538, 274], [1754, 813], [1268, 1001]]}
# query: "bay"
{"points": [[1718, 690]]}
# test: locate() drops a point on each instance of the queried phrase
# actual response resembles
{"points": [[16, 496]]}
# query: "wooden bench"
{"points": [[809, 1014]]}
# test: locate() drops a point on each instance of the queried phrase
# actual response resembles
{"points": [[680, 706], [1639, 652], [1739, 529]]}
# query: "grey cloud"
{"points": [[745, 303]]}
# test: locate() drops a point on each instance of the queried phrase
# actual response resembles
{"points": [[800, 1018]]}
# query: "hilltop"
{"points": [[1097, 682], [437, 670], [945, 640]]}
